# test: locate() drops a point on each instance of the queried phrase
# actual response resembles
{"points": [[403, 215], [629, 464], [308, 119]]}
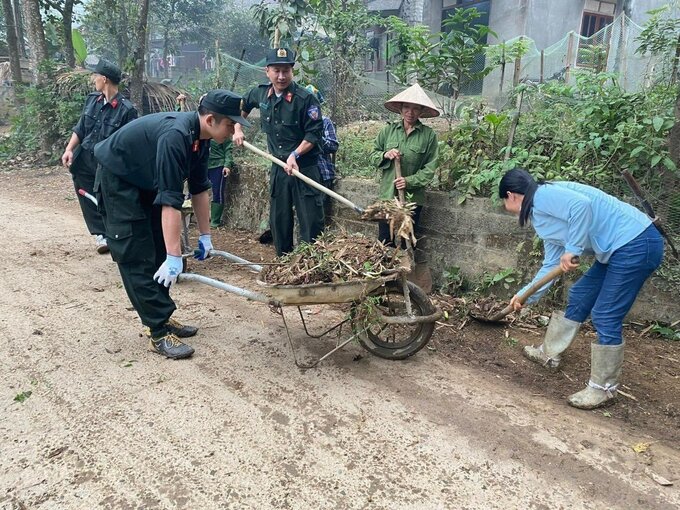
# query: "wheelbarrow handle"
{"points": [[548, 277], [304, 178]]}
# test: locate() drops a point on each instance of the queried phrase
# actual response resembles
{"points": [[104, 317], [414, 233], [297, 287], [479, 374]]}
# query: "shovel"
{"points": [[304, 178], [548, 277]]}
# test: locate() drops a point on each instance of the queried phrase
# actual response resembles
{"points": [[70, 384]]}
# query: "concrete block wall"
{"points": [[475, 236]]}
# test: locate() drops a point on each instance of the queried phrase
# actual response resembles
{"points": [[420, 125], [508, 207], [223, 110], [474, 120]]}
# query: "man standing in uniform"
{"points": [[140, 188], [105, 111], [291, 118]]}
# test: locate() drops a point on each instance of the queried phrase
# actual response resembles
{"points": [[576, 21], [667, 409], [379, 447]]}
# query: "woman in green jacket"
{"points": [[414, 145]]}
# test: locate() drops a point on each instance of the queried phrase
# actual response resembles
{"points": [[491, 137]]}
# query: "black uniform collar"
{"points": [[286, 95], [195, 128]]}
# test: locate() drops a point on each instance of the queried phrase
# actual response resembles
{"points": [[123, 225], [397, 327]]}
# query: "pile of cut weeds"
{"points": [[333, 258]]}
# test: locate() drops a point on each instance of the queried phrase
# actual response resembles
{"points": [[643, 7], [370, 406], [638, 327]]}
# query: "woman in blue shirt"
{"points": [[574, 219]]}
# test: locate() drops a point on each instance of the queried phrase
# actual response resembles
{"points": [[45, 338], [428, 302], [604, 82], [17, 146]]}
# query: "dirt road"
{"points": [[108, 424]]}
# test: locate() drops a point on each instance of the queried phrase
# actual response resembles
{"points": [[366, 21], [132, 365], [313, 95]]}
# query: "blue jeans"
{"points": [[607, 291], [218, 181]]}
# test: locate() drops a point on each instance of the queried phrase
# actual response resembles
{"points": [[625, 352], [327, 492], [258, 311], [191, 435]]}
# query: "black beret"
{"points": [[225, 103], [108, 69], [280, 56]]}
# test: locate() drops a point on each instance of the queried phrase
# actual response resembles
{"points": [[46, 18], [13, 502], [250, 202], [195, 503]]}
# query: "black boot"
{"points": [[170, 346]]}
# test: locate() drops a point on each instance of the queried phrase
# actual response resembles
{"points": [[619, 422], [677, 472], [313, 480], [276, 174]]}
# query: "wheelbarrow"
{"points": [[388, 320]]}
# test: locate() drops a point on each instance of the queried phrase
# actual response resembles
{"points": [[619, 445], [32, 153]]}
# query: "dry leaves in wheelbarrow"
{"points": [[334, 257]]}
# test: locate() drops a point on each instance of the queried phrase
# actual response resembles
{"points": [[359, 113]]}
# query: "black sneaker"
{"points": [[179, 329], [170, 346], [176, 328]]}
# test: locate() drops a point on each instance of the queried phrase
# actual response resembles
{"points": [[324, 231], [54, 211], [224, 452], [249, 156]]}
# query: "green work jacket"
{"points": [[419, 157], [221, 154], [287, 120]]}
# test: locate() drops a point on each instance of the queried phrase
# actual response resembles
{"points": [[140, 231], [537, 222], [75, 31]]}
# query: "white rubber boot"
{"points": [[605, 371], [559, 336]]}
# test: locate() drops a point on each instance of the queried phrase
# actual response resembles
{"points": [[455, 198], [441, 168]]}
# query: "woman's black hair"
{"points": [[520, 181]]}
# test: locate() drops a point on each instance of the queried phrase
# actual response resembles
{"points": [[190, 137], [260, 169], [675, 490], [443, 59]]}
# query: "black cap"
{"points": [[108, 69], [225, 103], [280, 56]]}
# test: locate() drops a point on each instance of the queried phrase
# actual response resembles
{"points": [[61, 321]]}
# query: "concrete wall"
{"points": [[475, 236]]}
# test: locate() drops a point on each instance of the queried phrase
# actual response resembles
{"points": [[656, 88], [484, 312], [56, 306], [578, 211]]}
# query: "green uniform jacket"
{"points": [[221, 154], [287, 120], [419, 157]]}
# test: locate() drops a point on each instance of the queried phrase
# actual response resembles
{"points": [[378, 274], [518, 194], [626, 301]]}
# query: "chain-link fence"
{"points": [[350, 97]]}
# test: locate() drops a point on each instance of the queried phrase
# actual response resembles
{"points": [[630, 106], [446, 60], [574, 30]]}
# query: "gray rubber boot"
{"points": [[560, 334], [605, 371]]}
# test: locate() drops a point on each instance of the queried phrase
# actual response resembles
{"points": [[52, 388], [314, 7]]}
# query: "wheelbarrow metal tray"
{"points": [[320, 293]]}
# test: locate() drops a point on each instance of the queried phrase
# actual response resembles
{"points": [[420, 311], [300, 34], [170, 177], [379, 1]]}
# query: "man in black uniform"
{"points": [[105, 111], [139, 186], [291, 118]]}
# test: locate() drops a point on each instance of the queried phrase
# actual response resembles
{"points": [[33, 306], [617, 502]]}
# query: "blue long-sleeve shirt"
{"points": [[579, 219]]}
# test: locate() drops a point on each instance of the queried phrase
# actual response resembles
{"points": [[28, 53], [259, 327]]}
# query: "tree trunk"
{"points": [[36, 35], [12, 42], [18, 19], [137, 78], [166, 46], [67, 25]]}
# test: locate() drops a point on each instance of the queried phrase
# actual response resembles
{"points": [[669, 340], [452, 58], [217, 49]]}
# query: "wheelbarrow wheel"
{"points": [[395, 341]]}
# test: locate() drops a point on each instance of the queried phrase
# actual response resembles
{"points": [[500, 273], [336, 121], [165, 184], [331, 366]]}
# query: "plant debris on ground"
{"points": [[334, 257]]}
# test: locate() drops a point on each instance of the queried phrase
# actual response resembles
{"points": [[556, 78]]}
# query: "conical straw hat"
{"points": [[416, 95]]}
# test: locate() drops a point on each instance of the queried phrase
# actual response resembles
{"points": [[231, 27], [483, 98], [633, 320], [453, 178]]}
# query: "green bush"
{"points": [[47, 115]]}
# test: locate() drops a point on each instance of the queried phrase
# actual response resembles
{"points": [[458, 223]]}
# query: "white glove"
{"points": [[169, 271], [204, 247]]}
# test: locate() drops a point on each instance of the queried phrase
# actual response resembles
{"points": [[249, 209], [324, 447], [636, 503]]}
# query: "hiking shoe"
{"points": [[170, 346], [180, 330], [102, 245], [177, 329]]}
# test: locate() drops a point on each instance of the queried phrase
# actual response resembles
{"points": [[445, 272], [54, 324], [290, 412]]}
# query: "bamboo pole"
{"points": [[570, 56], [518, 66]]}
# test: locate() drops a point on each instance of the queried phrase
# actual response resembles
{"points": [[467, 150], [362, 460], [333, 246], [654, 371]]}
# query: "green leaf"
{"points": [[21, 397], [79, 46], [637, 150], [657, 122], [655, 160], [668, 163]]}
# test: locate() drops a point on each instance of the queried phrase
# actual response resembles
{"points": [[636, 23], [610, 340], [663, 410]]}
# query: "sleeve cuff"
{"points": [[195, 189], [576, 250], [311, 138], [170, 198]]}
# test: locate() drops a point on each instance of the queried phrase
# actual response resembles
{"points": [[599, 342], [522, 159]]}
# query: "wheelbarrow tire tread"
{"points": [[421, 332]]}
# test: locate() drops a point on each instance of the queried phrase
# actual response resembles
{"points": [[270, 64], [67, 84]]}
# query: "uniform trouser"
{"points": [[287, 192], [83, 177], [135, 238], [219, 182], [607, 291]]}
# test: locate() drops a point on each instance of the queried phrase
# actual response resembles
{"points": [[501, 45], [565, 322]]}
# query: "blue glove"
{"points": [[169, 271], [204, 247]]}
